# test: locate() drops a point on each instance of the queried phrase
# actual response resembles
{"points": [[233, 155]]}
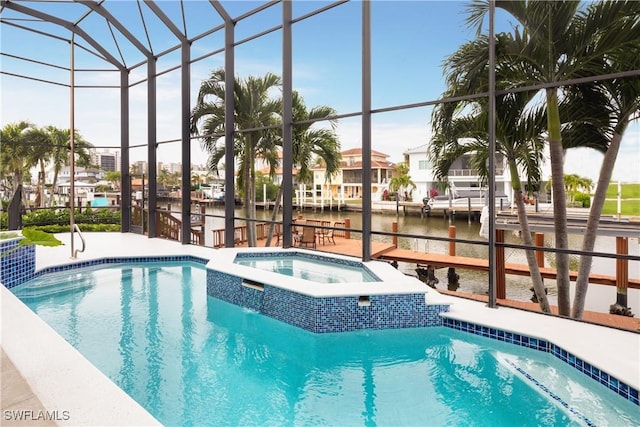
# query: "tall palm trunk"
{"points": [[54, 187], [559, 202], [274, 215], [18, 178], [41, 185], [536, 277], [251, 231], [249, 192], [590, 234]]}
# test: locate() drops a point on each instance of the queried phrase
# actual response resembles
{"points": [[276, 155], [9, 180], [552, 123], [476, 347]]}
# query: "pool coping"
{"points": [[616, 352]]}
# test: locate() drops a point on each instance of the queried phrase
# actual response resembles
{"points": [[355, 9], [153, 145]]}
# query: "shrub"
{"points": [[60, 228], [60, 217], [584, 199]]}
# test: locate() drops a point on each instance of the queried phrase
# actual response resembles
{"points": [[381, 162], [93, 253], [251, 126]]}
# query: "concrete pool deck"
{"points": [[63, 380]]}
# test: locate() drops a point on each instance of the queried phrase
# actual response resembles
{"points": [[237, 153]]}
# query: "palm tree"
{"points": [[39, 154], [559, 41], [164, 177], [310, 146], [402, 181], [254, 109], [114, 178], [574, 183], [617, 102], [461, 128], [15, 153], [59, 141]]}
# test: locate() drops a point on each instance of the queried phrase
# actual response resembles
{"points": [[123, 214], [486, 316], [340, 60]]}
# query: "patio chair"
{"points": [[308, 237], [328, 236], [277, 232]]}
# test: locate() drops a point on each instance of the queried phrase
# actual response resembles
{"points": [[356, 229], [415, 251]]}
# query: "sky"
{"points": [[409, 43]]}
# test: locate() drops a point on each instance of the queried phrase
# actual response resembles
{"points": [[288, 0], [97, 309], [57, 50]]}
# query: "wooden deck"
{"points": [[348, 247]]}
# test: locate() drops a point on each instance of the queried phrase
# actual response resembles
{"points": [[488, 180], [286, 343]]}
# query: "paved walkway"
{"points": [[18, 400]]}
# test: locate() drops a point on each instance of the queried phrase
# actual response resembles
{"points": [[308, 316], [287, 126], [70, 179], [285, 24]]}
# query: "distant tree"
{"points": [[402, 183], [575, 184], [40, 151], [59, 141], [263, 181], [164, 177], [15, 153], [114, 178]]}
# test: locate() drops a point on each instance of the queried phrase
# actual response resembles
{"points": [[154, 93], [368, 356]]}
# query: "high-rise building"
{"points": [[107, 160]]}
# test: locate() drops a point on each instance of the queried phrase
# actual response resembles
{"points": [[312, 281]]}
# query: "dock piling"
{"points": [[622, 279]]}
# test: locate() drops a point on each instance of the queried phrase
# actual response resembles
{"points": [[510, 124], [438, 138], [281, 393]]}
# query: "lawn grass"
{"points": [[630, 200], [628, 207], [629, 191]]}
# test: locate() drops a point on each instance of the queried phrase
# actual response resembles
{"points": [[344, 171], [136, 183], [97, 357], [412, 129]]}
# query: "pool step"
{"points": [[565, 390], [55, 284]]}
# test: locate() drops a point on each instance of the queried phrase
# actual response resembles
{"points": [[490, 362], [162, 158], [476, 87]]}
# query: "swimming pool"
{"points": [[191, 359], [303, 266]]}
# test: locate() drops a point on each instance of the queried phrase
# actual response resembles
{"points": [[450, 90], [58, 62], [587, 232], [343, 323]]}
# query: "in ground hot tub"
{"points": [[322, 293]]}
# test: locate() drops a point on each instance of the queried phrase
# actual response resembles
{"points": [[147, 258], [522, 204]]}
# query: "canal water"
{"points": [[518, 287]]}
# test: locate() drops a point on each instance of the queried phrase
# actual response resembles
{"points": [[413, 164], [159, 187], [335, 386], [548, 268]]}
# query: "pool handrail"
{"points": [[84, 243]]}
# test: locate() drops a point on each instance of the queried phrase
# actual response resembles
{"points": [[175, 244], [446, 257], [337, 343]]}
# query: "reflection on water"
{"points": [[518, 287]]}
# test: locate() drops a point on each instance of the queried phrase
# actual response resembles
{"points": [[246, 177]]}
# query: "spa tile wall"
{"points": [[17, 263], [330, 314]]}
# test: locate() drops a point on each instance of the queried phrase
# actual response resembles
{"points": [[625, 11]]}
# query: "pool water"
{"points": [[314, 269], [190, 359]]}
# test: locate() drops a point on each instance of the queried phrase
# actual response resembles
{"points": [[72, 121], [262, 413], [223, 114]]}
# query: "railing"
{"points": [[239, 236], [341, 229], [471, 172], [84, 243], [168, 226], [197, 237]]}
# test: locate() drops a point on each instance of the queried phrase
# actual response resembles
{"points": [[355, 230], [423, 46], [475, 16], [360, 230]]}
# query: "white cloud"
{"points": [[388, 138], [587, 162]]}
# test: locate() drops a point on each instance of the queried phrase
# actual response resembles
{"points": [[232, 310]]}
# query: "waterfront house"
{"points": [[347, 183], [462, 176]]}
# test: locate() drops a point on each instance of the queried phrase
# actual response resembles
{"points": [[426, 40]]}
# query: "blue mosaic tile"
{"points": [[572, 360], [330, 314], [26, 269], [17, 266]]}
